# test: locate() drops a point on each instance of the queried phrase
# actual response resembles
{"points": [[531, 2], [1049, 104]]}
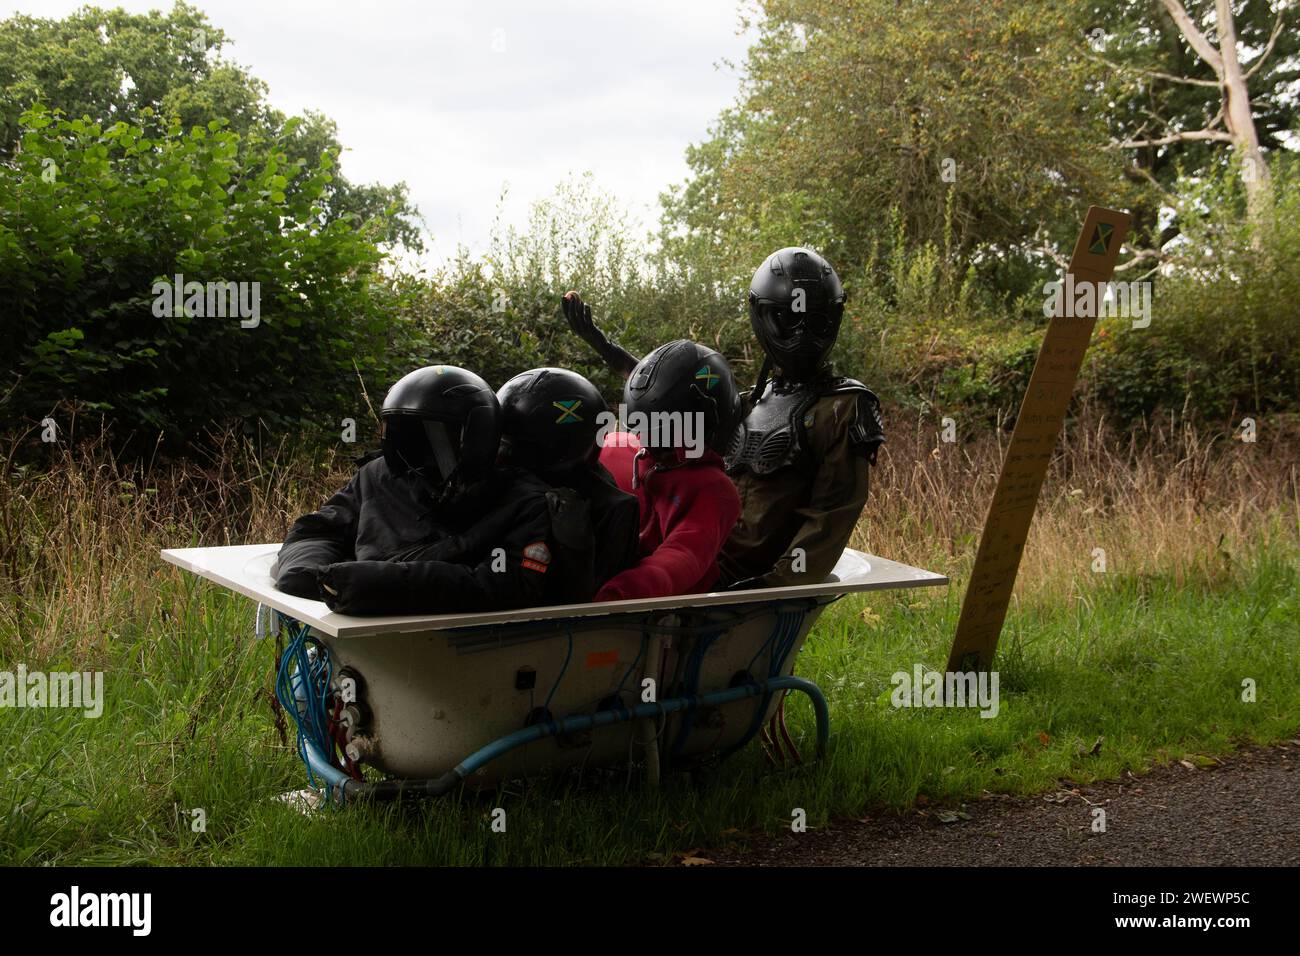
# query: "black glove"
{"points": [[298, 581], [366, 587], [578, 315]]}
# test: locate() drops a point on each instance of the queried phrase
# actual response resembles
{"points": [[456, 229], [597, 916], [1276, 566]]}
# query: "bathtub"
{"points": [[436, 701]]}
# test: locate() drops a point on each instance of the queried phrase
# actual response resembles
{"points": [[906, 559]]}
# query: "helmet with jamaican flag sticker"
{"points": [[550, 418], [684, 378]]}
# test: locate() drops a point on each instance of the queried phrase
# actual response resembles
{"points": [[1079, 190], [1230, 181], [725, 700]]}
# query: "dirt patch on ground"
{"points": [[1243, 810]]}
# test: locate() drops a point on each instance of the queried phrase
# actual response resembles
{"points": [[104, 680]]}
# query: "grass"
{"points": [[1200, 594]]}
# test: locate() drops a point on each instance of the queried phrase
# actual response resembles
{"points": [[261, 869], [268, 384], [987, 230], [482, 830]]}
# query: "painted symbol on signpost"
{"points": [[1099, 245]]}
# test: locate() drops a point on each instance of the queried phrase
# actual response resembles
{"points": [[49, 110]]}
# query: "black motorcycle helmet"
{"points": [[549, 420], [796, 304], [687, 377], [442, 423]]}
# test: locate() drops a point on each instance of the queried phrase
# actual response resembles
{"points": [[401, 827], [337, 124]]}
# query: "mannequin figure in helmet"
{"points": [[682, 407], [433, 525], [802, 455], [551, 422], [802, 458]]}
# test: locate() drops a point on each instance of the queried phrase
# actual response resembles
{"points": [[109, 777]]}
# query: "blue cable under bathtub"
{"points": [[782, 640], [302, 686]]}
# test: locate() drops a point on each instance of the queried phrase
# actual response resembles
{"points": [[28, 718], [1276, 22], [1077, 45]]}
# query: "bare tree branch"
{"points": [[1142, 174], [1189, 80], [1150, 272], [1183, 137], [1268, 48], [1163, 123], [1122, 68], [1141, 256], [1047, 249], [1203, 47]]}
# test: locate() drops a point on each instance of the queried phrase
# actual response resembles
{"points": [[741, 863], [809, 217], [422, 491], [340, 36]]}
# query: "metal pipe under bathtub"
{"points": [[346, 787]]}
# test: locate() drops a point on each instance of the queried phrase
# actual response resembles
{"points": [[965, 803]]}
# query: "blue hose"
{"points": [[302, 685], [393, 789]]}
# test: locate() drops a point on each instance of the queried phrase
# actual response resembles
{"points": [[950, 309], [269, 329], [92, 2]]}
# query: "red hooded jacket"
{"points": [[687, 512]]}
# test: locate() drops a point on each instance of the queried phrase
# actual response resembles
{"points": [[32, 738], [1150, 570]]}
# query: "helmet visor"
{"points": [[445, 448], [430, 448], [789, 323]]}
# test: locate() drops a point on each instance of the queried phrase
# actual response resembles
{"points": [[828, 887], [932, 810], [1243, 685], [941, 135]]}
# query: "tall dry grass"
{"points": [[1164, 500], [80, 531]]}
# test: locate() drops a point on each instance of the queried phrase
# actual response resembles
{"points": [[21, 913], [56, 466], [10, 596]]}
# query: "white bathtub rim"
{"points": [[245, 569]]}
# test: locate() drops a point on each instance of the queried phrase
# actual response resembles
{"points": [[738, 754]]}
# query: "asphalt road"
{"points": [[1243, 811]]}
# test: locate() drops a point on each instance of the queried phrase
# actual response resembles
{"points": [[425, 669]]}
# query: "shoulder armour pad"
{"points": [[840, 386], [868, 431]]}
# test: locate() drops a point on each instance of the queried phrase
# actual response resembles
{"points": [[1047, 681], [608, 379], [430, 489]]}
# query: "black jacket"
{"points": [[381, 545], [615, 518]]}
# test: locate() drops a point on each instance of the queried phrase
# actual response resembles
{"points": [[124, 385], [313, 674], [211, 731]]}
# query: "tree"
{"points": [[92, 219], [150, 69], [1173, 109], [1235, 111], [974, 119]]}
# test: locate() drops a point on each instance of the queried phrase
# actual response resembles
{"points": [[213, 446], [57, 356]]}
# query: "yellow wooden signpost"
{"points": [[1038, 426]]}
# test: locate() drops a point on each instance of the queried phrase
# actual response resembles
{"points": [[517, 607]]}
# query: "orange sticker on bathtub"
{"points": [[601, 659]]}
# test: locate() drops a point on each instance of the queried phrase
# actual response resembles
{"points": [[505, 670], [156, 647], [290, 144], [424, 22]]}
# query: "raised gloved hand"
{"points": [[578, 314]]}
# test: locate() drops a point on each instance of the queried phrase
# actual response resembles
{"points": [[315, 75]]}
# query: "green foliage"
{"points": [[1224, 339], [922, 329], [1139, 57], [92, 217], [918, 327], [168, 158], [846, 115], [500, 315]]}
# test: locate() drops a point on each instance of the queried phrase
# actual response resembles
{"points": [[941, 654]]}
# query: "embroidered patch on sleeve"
{"points": [[537, 556]]}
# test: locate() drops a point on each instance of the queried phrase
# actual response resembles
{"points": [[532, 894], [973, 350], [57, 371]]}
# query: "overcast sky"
{"points": [[460, 100]]}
